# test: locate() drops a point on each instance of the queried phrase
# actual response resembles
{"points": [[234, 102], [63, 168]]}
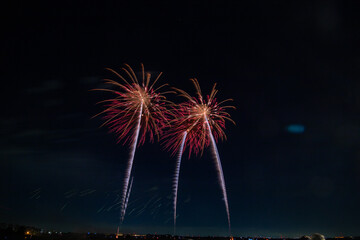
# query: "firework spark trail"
{"points": [[145, 206], [220, 172], [130, 163], [127, 197], [36, 194], [64, 206], [203, 119], [137, 110], [176, 176]]}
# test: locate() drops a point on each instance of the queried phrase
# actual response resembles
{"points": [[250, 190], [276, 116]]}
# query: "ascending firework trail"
{"points": [[176, 176], [199, 123], [136, 110], [127, 197]]}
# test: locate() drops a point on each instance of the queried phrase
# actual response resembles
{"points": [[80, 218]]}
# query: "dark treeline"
{"points": [[14, 231]]}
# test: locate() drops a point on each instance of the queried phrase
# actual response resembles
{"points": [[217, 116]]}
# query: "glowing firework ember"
{"points": [[199, 123], [137, 110]]}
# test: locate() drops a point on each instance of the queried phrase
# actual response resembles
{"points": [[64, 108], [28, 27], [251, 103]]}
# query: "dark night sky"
{"points": [[283, 63]]}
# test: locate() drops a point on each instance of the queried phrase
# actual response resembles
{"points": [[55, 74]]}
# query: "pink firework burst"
{"points": [[136, 110], [135, 100], [191, 117], [199, 123]]}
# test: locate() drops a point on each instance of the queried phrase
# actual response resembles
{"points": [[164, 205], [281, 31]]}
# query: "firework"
{"points": [[199, 124], [137, 110]]}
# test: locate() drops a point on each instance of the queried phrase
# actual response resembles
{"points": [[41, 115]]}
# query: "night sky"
{"points": [[291, 163]]}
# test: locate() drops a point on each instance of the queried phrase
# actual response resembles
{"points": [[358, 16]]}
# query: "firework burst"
{"points": [[199, 124], [137, 110]]}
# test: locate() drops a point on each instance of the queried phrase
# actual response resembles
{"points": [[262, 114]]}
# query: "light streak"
{"points": [[203, 121], [127, 198], [176, 176], [220, 172], [137, 110], [130, 164]]}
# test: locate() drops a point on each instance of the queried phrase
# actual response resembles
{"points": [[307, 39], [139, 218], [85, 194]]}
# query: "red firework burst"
{"points": [[135, 104], [192, 117]]}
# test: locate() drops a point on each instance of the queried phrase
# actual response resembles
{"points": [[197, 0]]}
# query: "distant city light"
{"points": [[295, 128]]}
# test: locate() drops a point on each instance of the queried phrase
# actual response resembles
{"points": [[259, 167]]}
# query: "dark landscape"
{"points": [[13, 231]]}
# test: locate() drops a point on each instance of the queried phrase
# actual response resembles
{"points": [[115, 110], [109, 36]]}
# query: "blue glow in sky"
{"points": [[295, 128]]}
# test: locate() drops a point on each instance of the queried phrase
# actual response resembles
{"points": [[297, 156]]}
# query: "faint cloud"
{"points": [[53, 102], [328, 17], [12, 150], [152, 189], [30, 133], [347, 134], [89, 80], [321, 186], [46, 86], [188, 199], [268, 126]]}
